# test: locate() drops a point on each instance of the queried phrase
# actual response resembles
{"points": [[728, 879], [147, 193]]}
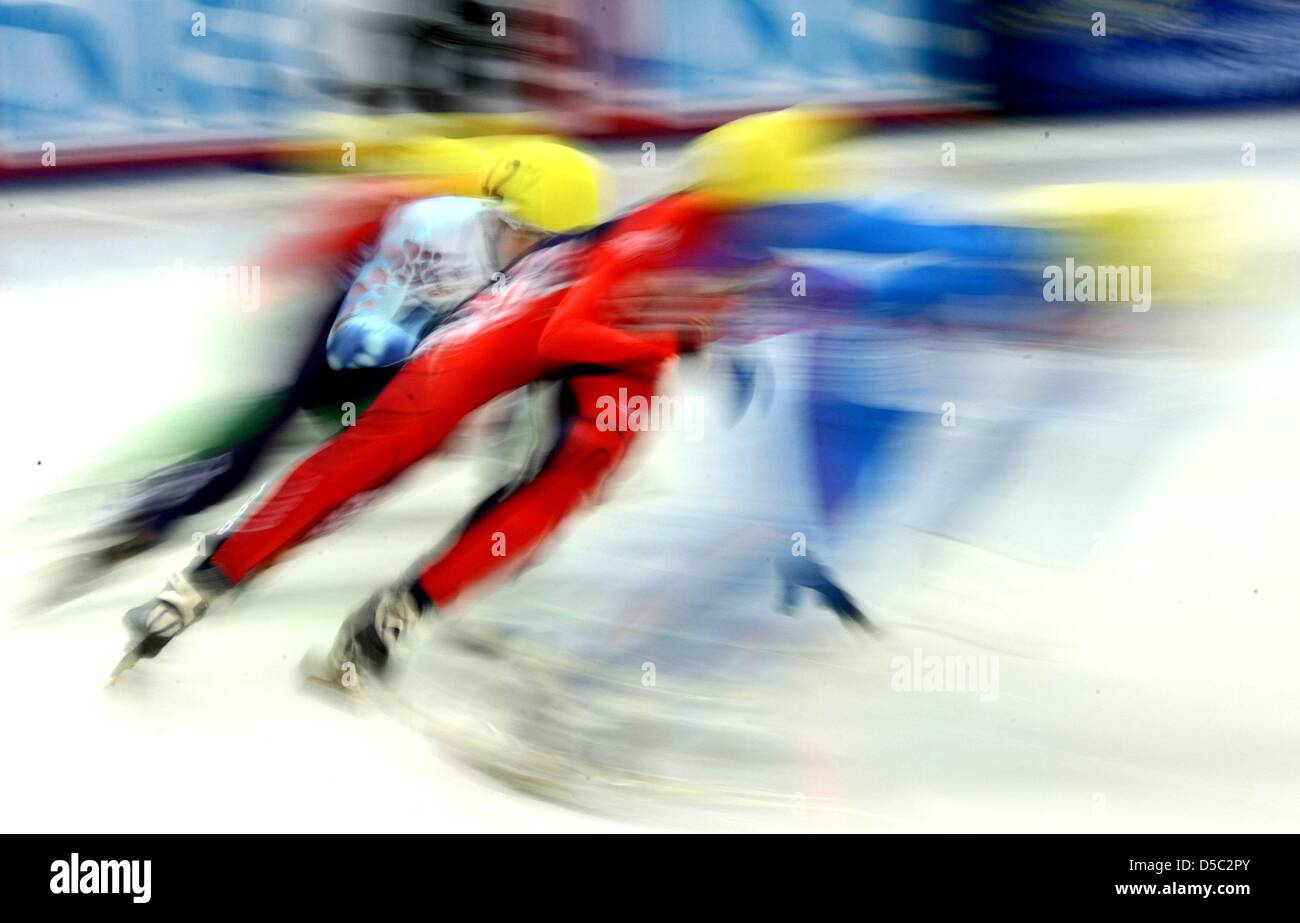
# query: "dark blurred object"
{"points": [[460, 56], [1053, 55]]}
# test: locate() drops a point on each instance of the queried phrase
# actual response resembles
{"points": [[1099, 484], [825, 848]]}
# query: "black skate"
{"points": [[368, 636], [68, 578], [136, 522]]}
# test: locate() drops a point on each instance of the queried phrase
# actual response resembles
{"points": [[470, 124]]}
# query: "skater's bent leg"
{"points": [[407, 421], [426, 400], [507, 531]]}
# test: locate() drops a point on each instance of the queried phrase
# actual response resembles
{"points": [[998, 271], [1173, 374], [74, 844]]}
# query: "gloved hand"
{"points": [[366, 341], [803, 572]]}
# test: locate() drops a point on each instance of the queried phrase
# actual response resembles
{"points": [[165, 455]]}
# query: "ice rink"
{"points": [[1131, 576]]}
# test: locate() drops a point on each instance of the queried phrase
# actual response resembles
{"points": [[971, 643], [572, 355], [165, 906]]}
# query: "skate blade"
{"points": [[129, 659], [146, 648], [321, 680]]}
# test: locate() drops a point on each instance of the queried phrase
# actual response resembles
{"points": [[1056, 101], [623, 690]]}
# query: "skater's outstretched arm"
{"points": [[578, 333]]}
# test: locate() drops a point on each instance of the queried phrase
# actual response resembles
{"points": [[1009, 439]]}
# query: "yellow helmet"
{"points": [[435, 165], [388, 145], [543, 183], [1180, 230], [432, 155], [764, 158]]}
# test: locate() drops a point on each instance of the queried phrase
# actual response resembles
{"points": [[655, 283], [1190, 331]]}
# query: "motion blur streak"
{"points": [[964, 497]]}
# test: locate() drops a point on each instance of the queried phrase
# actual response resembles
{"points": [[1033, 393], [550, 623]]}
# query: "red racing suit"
{"points": [[554, 315]]}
